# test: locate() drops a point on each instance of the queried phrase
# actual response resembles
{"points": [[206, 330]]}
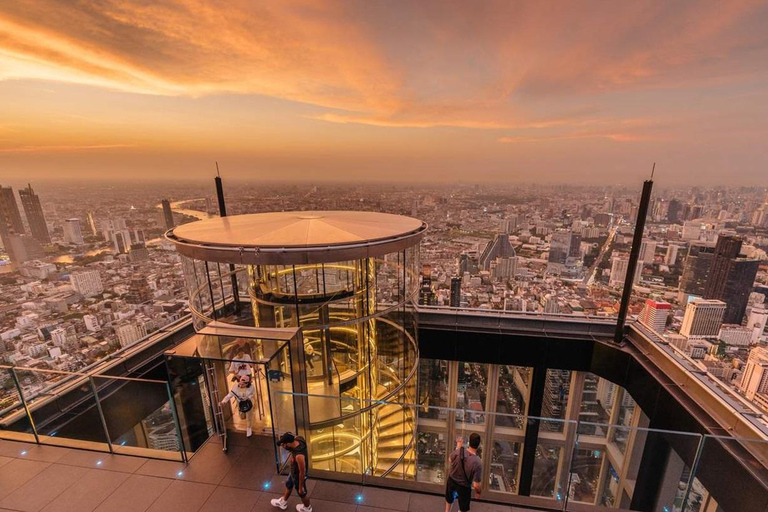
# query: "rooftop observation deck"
{"points": [[53, 479], [681, 404]]}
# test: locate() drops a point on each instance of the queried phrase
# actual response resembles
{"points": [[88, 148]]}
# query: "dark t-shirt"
{"points": [[473, 467], [301, 449]]}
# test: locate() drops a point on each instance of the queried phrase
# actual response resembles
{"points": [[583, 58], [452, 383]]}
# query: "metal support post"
{"points": [[101, 414], [634, 255], [24, 404], [176, 423]]}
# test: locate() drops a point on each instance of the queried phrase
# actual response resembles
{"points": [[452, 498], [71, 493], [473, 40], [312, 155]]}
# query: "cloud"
{"points": [[489, 66]]}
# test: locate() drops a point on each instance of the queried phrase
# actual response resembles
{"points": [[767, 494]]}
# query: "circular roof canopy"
{"points": [[296, 237]]}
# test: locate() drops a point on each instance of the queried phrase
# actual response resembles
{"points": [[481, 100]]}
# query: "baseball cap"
{"points": [[285, 438]]}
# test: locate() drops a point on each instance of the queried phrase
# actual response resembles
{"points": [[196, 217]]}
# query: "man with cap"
{"points": [[297, 447]]}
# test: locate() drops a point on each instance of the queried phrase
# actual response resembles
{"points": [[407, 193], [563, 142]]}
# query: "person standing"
{"points": [[240, 364], [243, 392], [465, 473], [297, 447]]}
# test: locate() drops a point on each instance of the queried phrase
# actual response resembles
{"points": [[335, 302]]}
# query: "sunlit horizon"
{"points": [[329, 91]]}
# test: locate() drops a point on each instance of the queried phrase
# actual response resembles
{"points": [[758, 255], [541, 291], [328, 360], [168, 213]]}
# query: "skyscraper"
{"points": [[670, 258], [703, 318], [34, 212], [696, 270], [22, 248], [72, 232], [455, 292], [498, 248], [673, 210], [755, 377], [655, 314], [731, 278], [9, 211], [167, 214], [647, 250], [559, 247], [758, 318]]}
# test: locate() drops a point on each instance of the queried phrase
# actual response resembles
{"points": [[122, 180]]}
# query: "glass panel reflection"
{"points": [[505, 466], [513, 391], [471, 392], [430, 457], [545, 470], [585, 475], [433, 389]]}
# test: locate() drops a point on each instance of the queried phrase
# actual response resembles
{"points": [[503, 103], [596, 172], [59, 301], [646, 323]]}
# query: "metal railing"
{"points": [[83, 410], [580, 463]]}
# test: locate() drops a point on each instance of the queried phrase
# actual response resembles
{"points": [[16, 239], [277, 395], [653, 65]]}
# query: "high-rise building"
{"points": [[167, 214], [670, 258], [655, 314], [619, 267], [91, 323], [467, 264], [455, 292], [696, 271], [86, 282], [498, 248], [735, 335], [647, 250], [139, 290], [92, 224], [34, 212], [755, 377], [139, 253], [559, 247], [10, 218], [731, 278], [23, 248], [757, 320], [505, 268], [673, 210], [72, 232], [703, 318], [129, 333], [509, 225]]}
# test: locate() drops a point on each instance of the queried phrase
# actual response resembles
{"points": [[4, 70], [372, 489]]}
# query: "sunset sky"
{"points": [[385, 90]]}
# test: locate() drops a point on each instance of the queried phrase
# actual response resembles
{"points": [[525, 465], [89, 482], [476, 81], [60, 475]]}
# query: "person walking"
{"points": [[243, 392], [465, 473], [297, 447], [240, 364]]}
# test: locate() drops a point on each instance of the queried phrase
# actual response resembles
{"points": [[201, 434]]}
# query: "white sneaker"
{"points": [[248, 432], [279, 503], [301, 508]]}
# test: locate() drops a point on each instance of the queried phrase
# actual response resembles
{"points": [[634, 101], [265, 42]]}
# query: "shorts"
{"points": [[452, 489], [291, 483]]}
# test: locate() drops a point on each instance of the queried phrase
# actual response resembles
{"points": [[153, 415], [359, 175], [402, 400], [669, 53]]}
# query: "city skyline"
{"points": [[495, 93]]}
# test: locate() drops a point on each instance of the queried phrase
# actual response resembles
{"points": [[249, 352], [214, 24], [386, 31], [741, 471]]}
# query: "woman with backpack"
{"points": [[244, 394]]}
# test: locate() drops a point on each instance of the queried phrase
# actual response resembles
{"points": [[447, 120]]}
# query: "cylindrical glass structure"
{"points": [[348, 280]]}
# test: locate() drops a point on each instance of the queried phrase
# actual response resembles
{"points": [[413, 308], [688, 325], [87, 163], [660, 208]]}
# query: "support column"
{"points": [[532, 430], [650, 475]]}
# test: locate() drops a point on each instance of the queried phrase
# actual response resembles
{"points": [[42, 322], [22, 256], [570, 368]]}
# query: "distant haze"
{"points": [[587, 92]]}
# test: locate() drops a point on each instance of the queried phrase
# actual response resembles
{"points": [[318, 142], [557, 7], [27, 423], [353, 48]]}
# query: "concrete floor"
{"points": [[51, 479]]}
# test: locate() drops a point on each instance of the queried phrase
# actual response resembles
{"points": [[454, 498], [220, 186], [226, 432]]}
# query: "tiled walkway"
{"points": [[50, 479]]}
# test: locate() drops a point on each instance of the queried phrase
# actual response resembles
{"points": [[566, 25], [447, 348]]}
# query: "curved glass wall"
{"points": [[359, 346]]}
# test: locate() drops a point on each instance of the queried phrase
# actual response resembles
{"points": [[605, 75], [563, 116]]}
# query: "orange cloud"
{"points": [[419, 65]]}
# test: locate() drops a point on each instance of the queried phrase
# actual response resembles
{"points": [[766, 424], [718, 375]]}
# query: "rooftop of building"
{"points": [[319, 236]]}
